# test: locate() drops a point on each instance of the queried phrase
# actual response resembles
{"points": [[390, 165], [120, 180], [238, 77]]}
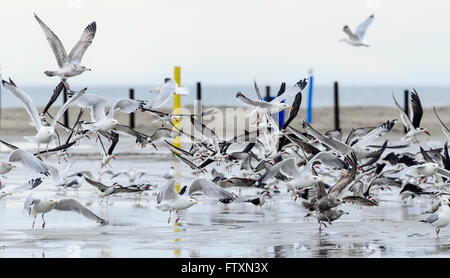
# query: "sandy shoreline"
{"points": [[15, 122]]}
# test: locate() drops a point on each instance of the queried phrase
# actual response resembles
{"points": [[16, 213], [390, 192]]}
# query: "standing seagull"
{"points": [[69, 65], [440, 219], [356, 38], [414, 125]]}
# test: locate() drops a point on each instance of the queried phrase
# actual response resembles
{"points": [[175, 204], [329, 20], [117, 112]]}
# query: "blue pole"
{"points": [[281, 116], [310, 94]]}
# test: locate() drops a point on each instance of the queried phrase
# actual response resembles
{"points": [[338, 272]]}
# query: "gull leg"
{"points": [[178, 217], [437, 232], [66, 85], [34, 220], [43, 221], [170, 214], [38, 153], [46, 153]]}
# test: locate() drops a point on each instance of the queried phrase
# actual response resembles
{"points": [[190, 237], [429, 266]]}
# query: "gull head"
{"points": [[4, 193], [81, 68], [52, 202], [193, 201], [8, 165]]}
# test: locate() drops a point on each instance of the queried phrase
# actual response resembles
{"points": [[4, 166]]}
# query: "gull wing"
{"points": [[29, 161], [334, 144], [327, 159], [210, 189], [126, 105], [405, 119], [164, 93], [349, 33], [26, 100], [29, 185], [356, 200], [66, 105], [347, 175], [362, 27], [74, 205], [443, 172], [96, 103], [55, 43], [431, 219], [28, 203], [258, 94], [85, 41], [444, 128], [167, 192], [259, 104]]}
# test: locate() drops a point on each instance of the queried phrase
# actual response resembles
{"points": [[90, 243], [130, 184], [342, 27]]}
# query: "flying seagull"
{"points": [[356, 38], [45, 134], [34, 206], [69, 65]]}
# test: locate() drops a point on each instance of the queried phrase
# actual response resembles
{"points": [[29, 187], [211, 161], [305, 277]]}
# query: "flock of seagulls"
{"points": [[322, 170]]}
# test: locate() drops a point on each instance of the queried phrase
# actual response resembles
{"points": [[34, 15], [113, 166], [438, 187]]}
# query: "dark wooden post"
{"points": [[336, 106], [267, 93], [406, 107], [66, 114], [131, 114], [199, 91], [198, 103]]}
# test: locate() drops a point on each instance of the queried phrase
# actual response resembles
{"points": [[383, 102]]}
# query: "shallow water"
{"points": [[209, 229]]}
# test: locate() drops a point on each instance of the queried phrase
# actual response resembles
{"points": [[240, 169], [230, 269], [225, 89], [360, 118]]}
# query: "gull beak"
{"points": [[14, 166], [196, 202], [153, 144], [426, 131], [9, 194], [118, 123], [55, 202], [87, 136], [113, 157]]}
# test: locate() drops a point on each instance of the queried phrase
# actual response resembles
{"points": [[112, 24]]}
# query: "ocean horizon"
{"points": [[225, 95]]}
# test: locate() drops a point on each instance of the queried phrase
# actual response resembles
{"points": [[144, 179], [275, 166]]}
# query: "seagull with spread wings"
{"points": [[45, 134], [356, 38], [163, 93], [69, 65], [102, 121], [169, 200], [34, 206]]}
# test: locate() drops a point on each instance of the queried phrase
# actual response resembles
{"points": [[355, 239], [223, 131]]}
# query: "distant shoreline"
{"points": [[15, 122]]}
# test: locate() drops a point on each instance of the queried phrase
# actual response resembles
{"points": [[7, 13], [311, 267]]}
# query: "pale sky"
{"points": [[231, 42]]}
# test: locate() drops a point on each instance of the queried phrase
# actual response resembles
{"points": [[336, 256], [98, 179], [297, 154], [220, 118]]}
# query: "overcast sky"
{"points": [[231, 42]]}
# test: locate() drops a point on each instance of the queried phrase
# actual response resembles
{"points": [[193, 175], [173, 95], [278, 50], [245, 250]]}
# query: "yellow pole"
{"points": [[176, 110]]}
